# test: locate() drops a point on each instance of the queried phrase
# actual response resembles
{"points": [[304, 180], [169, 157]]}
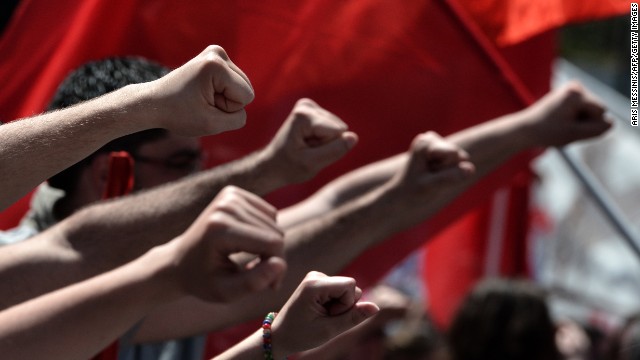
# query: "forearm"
{"points": [[250, 348], [257, 172], [341, 190], [325, 238], [34, 267], [488, 144], [335, 238], [109, 234], [54, 141], [78, 321], [491, 143]]}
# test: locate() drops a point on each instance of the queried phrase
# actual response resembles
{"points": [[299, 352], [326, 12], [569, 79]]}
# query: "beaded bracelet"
{"points": [[266, 335]]}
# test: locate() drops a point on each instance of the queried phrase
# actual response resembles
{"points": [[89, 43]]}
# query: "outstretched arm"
{"points": [[320, 308], [78, 321], [210, 91], [101, 237], [563, 116], [328, 242], [416, 184]]}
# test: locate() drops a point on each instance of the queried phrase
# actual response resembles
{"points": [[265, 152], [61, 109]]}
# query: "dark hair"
{"points": [[625, 342], [503, 319], [96, 79]]}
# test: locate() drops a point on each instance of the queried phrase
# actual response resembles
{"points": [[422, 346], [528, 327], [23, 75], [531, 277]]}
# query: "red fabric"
{"points": [[458, 256], [110, 353], [508, 22], [120, 178], [389, 71]]}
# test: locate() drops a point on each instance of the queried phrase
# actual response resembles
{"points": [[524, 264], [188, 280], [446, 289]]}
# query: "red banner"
{"points": [[390, 71]]}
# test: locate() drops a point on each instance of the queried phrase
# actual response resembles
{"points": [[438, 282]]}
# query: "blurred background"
{"points": [[592, 271]]}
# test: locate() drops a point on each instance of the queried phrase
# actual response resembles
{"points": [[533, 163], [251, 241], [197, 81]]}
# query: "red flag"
{"points": [[513, 21], [389, 71]]}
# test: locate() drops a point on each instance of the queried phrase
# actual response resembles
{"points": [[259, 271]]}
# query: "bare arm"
{"points": [[78, 321], [327, 243], [318, 310], [56, 140], [423, 181], [563, 116], [101, 237]]}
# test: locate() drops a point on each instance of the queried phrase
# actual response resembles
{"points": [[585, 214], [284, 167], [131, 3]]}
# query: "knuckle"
{"points": [[432, 136], [305, 102], [232, 195], [445, 148], [308, 285], [219, 221], [350, 282], [219, 217], [227, 202], [421, 141], [213, 62], [216, 50], [303, 114], [313, 275], [229, 189]]}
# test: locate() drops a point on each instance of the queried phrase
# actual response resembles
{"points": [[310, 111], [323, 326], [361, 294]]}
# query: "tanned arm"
{"points": [[104, 236], [418, 184]]}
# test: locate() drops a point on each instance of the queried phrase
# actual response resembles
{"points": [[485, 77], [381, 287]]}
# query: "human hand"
{"points": [[205, 96], [432, 162], [236, 221], [310, 139], [565, 115], [318, 310]]}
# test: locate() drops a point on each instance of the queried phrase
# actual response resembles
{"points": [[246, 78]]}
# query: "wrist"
{"points": [[144, 111], [274, 345], [270, 169], [528, 131], [161, 266]]}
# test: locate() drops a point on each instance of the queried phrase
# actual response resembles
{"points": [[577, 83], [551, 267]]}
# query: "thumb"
{"points": [[360, 312]]}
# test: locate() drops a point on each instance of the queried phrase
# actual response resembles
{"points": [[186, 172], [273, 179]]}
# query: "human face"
{"points": [[166, 159]]}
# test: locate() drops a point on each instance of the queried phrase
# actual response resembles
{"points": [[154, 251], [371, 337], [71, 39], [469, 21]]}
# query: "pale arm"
{"points": [[318, 310], [54, 141]]}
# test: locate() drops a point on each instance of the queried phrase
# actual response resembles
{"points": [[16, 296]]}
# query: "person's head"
{"points": [[625, 343], [503, 319], [158, 155]]}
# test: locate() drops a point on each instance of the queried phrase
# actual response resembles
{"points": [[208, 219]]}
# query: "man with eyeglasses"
{"points": [[159, 156]]}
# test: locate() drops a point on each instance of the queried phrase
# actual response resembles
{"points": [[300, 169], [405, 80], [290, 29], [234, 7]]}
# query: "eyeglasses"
{"points": [[184, 161]]}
